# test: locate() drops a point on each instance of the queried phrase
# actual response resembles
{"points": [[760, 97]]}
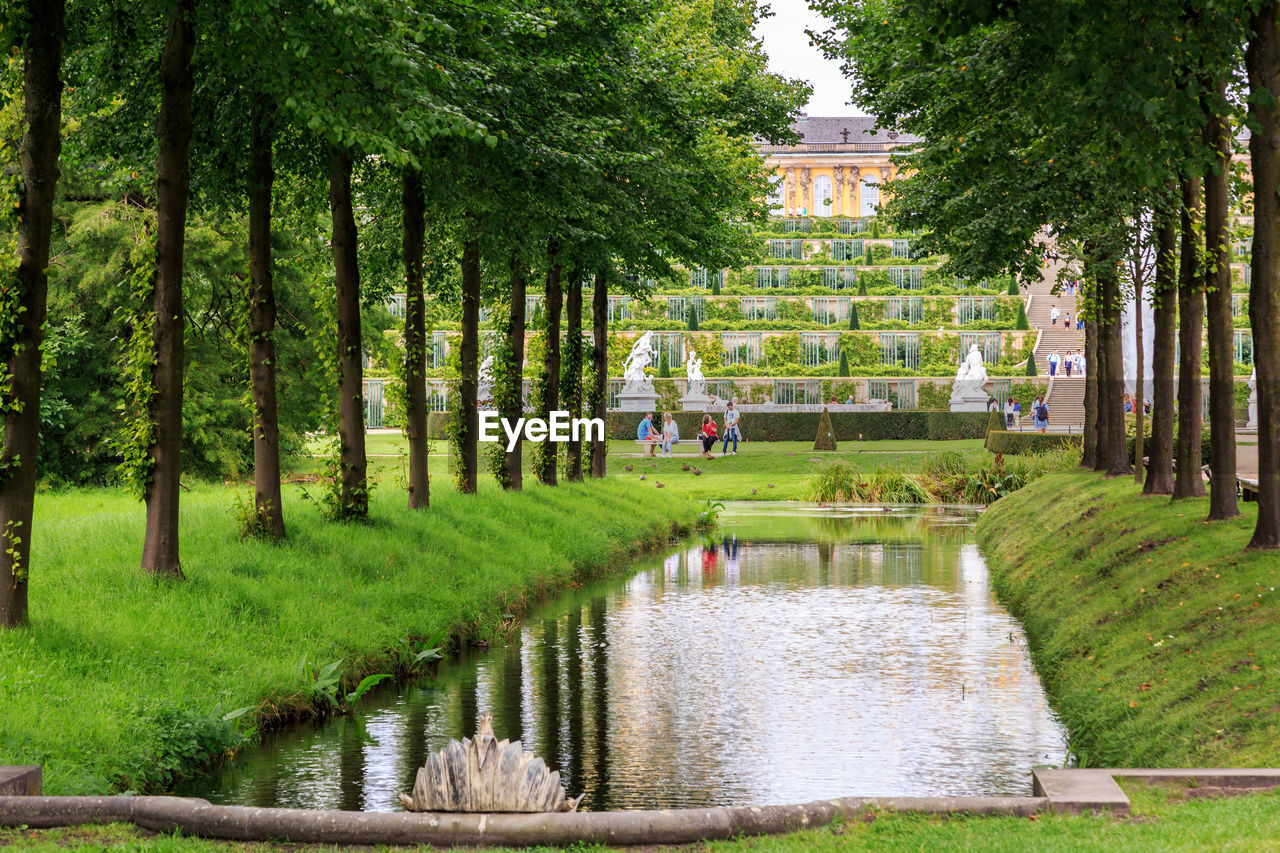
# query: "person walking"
{"points": [[1040, 413], [1054, 315], [1054, 358], [1080, 362], [708, 435], [1008, 413], [1068, 363], [731, 417]]}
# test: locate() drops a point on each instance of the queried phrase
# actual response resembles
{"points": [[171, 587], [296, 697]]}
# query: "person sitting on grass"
{"points": [[708, 435]]}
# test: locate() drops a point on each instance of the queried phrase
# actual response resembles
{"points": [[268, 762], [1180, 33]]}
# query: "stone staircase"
{"points": [[1066, 396]]}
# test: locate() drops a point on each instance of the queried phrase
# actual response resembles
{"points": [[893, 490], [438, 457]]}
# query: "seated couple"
{"points": [[670, 432]]}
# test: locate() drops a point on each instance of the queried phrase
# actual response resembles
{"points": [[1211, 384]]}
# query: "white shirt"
{"points": [[1053, 315], [730, 418]]}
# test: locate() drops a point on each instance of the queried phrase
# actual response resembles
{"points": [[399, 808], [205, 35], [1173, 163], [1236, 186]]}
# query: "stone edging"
{"points": [[1056, 790]]}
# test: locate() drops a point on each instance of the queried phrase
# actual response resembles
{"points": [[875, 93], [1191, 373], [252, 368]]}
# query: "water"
{"points": [[807, 653]]}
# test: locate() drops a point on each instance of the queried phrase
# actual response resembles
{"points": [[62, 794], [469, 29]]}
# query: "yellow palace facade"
{"points": [[838, 168]]}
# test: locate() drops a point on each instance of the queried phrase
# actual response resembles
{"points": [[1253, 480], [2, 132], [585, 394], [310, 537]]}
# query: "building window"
{"points": [[900, 348], [740, 348], [908, 309], [791, 392], [907, 278], [870, 195], [840, 278], [846, 250], [818, 348], [822, 195], [778, 198], [830, 309], [971, 309], [988, 344], [771, 277], [759, 307]]}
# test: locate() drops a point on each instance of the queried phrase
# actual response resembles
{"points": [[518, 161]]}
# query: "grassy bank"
{"points": [[122, 683], [1155, 633], [1163, 820]]}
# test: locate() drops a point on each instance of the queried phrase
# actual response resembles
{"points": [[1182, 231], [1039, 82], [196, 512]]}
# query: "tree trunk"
{"points": [[415, 338], [173, 178], [1188, 481], [572, 378], [1221, 337], [1089, 457], [1115, 451], [353, 488], [41, 147], [262, 324], [1160, 468], [1263, 60], [515, 345], [1137, 388], [600, 373], [547, 451], [1101, 391], [468, 384]]}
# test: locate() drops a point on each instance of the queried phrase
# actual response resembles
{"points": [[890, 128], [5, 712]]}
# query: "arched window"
{"points": [[778, 198], [870, 195], [822, 196]]}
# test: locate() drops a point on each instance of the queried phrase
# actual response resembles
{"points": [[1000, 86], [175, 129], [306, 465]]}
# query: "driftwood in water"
{"points": [[485, 774]]}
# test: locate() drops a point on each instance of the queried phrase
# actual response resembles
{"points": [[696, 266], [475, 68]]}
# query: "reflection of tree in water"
{"points": [[351, 763], [903, 563]]}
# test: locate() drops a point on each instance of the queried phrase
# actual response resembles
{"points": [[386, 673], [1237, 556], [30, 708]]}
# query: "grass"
{"points": [[1163, 820], [776, 470], [1155, 633], [121, 683]]}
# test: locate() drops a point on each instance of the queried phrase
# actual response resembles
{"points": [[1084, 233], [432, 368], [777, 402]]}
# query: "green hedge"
{"points": [[803, 426], [1020, 443]]}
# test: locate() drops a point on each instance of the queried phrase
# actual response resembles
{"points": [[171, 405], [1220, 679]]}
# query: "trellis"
{"points": [[852, 226], [818, 348], [792, 226], [437, 398], [909, 309], [439, 349], [772, 277], [971, 309], [670, 343], [532, 306], [373, 403], [988, 344], [846, 250], [907, 278], [802, 392], [678, 307], [620, 308], [901, 393], [793, 249], [740, 348], [830, 309], [396, 304], [702, 278], [840, 278], [900, 348], [1244, 346], [759, 307], [901, 249]]}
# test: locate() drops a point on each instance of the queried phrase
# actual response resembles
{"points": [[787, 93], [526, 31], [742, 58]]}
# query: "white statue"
{"points": [[971, 376], [693, 369], [1253, 400], [484, 381], [633, 375]]}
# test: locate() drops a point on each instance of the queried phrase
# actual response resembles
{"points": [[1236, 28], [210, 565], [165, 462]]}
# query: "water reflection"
{"points": [[799, 655]]}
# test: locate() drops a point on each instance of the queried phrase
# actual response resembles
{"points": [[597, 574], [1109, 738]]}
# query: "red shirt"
{"points": [[709, 428]]}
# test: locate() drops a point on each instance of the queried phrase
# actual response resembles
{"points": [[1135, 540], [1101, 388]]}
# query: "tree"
{"points": [[1189, 482], [1030, 368], [664, 366], [413, 205], [691, 319], [1020, 320], [22, 332], [160, 554], [844, 363], [1013, 287], [854, 325], [571, 375], [1160, 466]]}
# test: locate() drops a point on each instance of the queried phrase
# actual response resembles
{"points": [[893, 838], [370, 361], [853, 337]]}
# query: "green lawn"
{"points": [[1155, 633], [775, 470], [121, 682], [1163, 820]]}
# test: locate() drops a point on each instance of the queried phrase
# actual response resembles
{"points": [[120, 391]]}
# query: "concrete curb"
{"points": [[1063, 791]]}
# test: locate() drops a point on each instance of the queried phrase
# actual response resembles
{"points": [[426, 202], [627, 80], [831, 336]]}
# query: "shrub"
{"points": [[1031, 365], [1022, 443], [1020, 321], [854, 323], [664, 366], [844, 363], [692, 321], [826, 438], [1013, 287], [847, 426], [995, 422]]}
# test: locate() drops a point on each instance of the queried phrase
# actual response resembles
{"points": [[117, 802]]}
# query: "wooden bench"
{"points": [[696, 442]]}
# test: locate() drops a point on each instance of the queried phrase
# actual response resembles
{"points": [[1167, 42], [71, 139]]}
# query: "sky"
{"points": [[791, 54]]}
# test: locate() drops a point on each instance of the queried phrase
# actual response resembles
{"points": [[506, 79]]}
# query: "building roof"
{"points": [[828, 130]]}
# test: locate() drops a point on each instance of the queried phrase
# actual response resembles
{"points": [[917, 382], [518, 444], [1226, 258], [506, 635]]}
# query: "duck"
{"points": [[684, 466], [659, 485], [627, 467], [642, 476], [696, 472]]}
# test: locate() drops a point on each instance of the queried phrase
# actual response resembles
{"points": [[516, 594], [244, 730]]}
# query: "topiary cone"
{"points": [[1031, 365], [826, 438]]}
